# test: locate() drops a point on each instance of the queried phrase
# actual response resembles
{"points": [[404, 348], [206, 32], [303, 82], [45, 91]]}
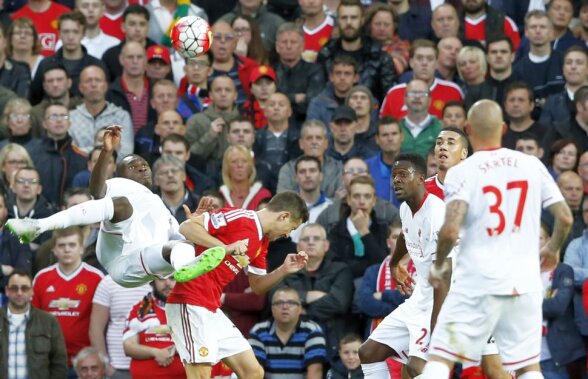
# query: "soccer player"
{"points": [[203, 335], [136, 226], [404, 333], [496, 197]]}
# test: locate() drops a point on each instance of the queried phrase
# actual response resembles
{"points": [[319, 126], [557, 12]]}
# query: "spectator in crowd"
{"points": [[57, 289], [110, 307], [349, 366], [56, 88], [318, 26], [239, 186], [287, 344], [89, 363], [562, 350], [44, 14], [19, 122], [343, 126], [56, 156], [324, 286], [299, 79], [163, 16], [500, 55], [309, 178], [361, 100], [389, 138], [268, 22], [560, 106], [343, 74], [193, 91], [249, 42], [530, 144], [23, 45], [134, 26], [582, 28], [196, 181], [278, 143], [544, 72], [448, 49], [563, 156], [314, 143], [96, 113], [13, 157], [419, 127], [227, 63], [131, 90], [359, 238], [263, 85], [14, 75], [158, 63], [381, 23], [170, 177], [472, 67], [519, 102], [414, 20], [573, 128], [423, 60], [71, 55], [82, 178], [376, 69], [445, 21], [483, 22], [32, 342], [95, 40], [385, 212], [454, 115], [147, 338], [113, 19], [583, 170], [207, 131]]}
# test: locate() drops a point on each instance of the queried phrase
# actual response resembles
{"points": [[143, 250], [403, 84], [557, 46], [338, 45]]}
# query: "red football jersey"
{"points": [[45, 23], [69, 299], [442, 92], [476, 30], [434, 186], [112, 26], [316, 38], [147, 320], [228, 225]]}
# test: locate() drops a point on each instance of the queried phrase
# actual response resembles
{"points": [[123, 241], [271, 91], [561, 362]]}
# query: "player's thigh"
{"points": [[198, 370], [463, 327], [518, 331], [373, 351], [245, 365], [394, 333]]}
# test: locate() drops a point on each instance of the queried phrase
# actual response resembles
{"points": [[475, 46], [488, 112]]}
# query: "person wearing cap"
{"points": [[158, 63], [420, 129], [263, 84], [343, 126]]}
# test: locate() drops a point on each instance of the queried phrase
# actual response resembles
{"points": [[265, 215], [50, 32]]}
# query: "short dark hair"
{"points": [[348, 338], [422, 43], [240, 118], [307, 158], [529, 136], [19, 272], [416, 160], [576, 49], [345, 60], [463, 137], [363, 179], [289, 201], [176, 138], [350, 3], [387, 120], [519, 85], [75, 16], [74, 191], [499, 38], [135, 9], [454, 103], [55, 66]]}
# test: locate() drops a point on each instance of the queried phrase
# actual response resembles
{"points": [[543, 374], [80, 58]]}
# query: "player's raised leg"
{"points": [[245, 365], [373, 355]]}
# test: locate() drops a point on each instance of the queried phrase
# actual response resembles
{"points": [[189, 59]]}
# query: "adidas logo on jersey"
{"points": [[50, 289]]}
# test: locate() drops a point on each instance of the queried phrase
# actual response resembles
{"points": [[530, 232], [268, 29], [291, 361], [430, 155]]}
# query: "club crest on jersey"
{"points": [[81, 288], [203, 351], [218, 220]]}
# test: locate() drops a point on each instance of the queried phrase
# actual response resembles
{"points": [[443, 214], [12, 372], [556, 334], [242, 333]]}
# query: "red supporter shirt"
{"points": [[112, 25], [315, 39], [45, 23], [69, 299], [442, 92], [147, 320], [476, 30], [432, 185], [228, 225]]}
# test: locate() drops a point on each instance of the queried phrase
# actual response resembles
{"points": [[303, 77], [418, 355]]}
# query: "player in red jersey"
{"points": [[451, 147], [203, 335]]}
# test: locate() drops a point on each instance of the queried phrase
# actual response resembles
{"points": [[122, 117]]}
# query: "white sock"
{"points": [[378, 370], [87, 213], [154, 261], [435, 370], [181, 255], [531, 375]]}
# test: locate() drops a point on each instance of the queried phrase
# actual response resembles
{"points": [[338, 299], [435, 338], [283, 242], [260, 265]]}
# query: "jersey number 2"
{"points": [[523, 186]]}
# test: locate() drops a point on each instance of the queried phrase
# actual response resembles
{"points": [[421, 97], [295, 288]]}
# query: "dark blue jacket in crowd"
{"points": [[545, 78], [381, 173], [557, 107]]}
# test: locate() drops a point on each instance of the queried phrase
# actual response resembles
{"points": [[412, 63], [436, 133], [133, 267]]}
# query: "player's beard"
{"points": [[474, 8], [158, 295], [352, 36]]}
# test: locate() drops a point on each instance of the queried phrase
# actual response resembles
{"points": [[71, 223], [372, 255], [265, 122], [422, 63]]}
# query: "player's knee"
{"points": [[367, 352], [251, 372], [414, 368], [123, 209]]}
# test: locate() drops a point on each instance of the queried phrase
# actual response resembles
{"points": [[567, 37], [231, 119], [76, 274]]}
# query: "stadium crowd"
{"points": [[315, 96]]}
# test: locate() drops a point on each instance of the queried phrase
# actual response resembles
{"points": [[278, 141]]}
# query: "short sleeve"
{"points": [[456, 186], [315, 350], [550, 193], [102, 294]]}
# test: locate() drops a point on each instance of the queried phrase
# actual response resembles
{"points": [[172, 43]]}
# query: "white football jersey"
{"points": [[499, 247], [420, 231]]}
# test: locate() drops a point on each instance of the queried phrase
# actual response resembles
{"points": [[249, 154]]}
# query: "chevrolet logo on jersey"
{"points": [[63, 304]]}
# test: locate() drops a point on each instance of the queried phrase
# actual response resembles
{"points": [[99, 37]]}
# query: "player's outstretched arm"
{"points": [[561, 227], [99, 173], [293, 263], [449, 232], [194, 231]]}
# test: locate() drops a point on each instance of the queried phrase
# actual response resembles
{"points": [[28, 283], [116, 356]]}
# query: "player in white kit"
{"points": [[495, 199], [404, 334], [136, 227]]}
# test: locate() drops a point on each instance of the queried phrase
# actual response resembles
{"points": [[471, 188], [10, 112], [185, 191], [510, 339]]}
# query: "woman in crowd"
{"points": [[19, 124], [563, 157], [249, 42], [471, 66], [23, 43], [12, 157], [240, 188]]}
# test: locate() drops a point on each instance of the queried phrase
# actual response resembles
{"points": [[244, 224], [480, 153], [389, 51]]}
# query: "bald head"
{"points": [[485, 120], [571, 187], [569, 177]]}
